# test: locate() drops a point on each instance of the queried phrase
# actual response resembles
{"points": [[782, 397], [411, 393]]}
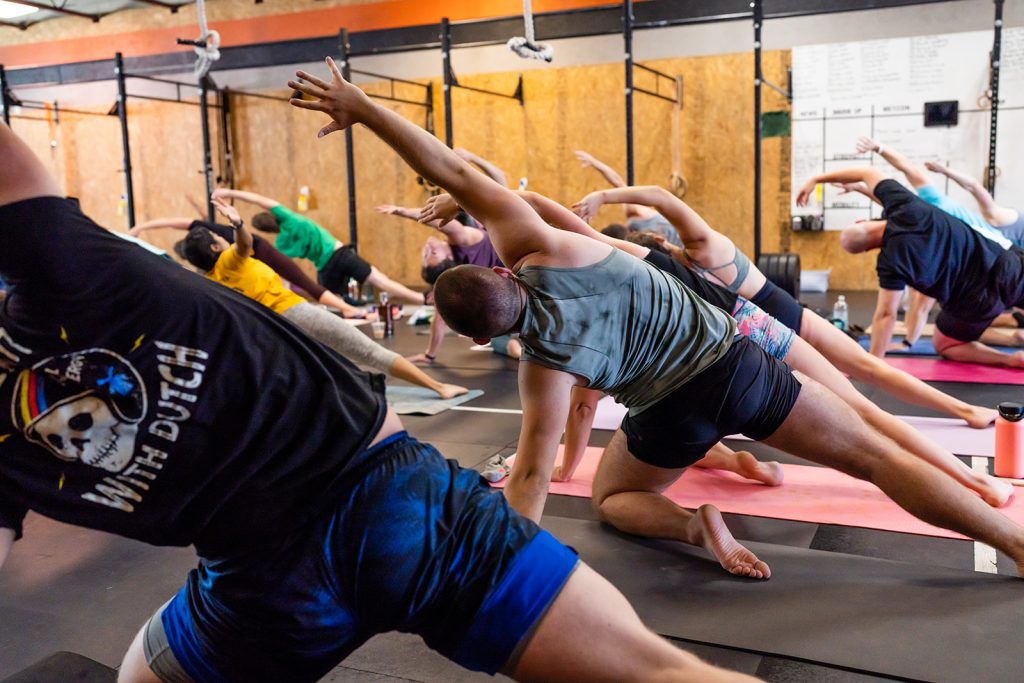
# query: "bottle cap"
{"points": [[1014, 412]]}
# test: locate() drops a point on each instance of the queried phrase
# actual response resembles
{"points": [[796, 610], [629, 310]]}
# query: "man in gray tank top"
{"points": [[594, 319]]}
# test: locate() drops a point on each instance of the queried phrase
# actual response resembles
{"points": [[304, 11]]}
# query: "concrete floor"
{"points": [[71, 589]]}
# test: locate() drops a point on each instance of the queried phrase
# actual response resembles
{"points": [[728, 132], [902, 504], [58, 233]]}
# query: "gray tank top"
{"points": [[630, 329], [739, 260], [657, 224]]}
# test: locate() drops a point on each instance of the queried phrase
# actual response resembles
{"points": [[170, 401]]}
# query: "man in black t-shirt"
{"points": [[144, 400], [933, 252]]}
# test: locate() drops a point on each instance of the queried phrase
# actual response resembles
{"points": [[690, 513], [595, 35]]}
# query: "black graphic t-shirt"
{"points": [[142, 399]]}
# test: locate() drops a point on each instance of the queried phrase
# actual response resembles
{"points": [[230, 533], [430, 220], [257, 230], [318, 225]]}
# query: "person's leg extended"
{"points": [[804, 358], [846, 355], [342, 337], [975, 352], [395, 289], [824, 429], [627, 495], [591, 633]]}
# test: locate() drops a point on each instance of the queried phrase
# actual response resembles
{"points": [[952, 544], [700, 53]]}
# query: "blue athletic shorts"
{"points": [[417, 545]]}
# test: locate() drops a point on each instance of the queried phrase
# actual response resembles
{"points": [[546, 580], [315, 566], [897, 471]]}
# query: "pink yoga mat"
{"points": [[809, 494], [954, 434], [938, 370]]}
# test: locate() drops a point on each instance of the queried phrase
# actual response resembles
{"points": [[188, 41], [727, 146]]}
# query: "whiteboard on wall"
{"points": [[878, 88]]}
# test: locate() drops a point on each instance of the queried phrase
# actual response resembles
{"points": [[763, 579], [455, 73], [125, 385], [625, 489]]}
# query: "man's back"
{"points": [[930, 250], [150, 402], [629, 328]]}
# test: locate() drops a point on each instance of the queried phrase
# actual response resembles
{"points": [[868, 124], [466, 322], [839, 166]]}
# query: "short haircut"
{"points": [[198, 249], [477, 302], [646, 238], [431, 273], [266, 221], [615, 230]]}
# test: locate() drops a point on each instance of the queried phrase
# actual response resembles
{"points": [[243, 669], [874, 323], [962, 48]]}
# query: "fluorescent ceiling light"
{"points": [[12, 10]]}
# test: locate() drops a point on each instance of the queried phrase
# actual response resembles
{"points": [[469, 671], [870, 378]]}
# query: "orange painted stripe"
{"points": [[309, 24]]}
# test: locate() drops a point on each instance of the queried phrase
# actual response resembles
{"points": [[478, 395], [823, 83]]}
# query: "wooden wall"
{"points": [[276, 152]]}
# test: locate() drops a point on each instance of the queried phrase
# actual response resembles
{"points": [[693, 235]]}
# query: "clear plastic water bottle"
{"points": [[841, 313]]}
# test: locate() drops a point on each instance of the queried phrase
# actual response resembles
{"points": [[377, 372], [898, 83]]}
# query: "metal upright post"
{"points": [[627, 37], [350, 152], [204, 88], [446, 65], [228, 172], [758, 76], [997, 43], [122, 116], [4, 109]]}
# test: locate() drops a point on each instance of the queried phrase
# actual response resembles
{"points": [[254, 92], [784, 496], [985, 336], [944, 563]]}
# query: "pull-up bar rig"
{"points": [[450, 81], [993, 88], [627, 39]]}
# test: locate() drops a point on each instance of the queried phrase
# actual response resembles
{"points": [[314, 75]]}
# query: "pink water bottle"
{"points": [[1010, 441]]}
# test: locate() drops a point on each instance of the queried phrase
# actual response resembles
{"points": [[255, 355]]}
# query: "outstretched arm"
{"points": [[492, 171], [858, 187], [456, 232], [515, 230], [884, 320], [993, 213], [556, 215], [243, 238], [870, 177], [176, 223], [545, 394], [915, 174], [588, 160], [248, 197], [22, 175], [688, 223]]}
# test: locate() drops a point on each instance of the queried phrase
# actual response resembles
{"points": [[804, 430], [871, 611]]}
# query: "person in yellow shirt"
{"points": [[232, 267]]}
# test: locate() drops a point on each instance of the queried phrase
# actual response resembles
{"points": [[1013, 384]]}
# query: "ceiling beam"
{"points": [[54, 8], [166, 5]]}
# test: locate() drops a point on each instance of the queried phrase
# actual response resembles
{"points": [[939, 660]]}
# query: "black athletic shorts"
{"points": [[966, 318], [746, 391], [778, 304], [345, 265]]}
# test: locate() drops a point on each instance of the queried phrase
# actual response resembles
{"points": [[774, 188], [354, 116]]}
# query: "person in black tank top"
{"points": [[744, 389]]}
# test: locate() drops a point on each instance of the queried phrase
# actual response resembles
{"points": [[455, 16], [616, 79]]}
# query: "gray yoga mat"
{"points": [[879, 616], [421, 401]]}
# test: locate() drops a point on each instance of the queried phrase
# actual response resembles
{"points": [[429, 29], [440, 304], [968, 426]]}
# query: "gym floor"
{"points": [[844, 604]]}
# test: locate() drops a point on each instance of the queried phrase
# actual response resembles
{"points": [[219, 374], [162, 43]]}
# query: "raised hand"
{"points": [[866, 144], [847, 188], [440, 207], [586, 160], [803, 198], [587, 207], [389, 209], [226, 210], [935, 167], [222, 193], [339, 99]]}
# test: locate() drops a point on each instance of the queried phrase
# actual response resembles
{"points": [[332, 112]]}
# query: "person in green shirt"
{"points": [[300, 237]]}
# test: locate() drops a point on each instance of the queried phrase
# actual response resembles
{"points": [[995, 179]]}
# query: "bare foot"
{"points": [[768, 473], [980, 418], [451, 390], [995, 492], [707, 529]]}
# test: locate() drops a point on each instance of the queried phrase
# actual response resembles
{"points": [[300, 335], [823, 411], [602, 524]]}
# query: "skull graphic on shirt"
{"points": [[83, 407]]}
